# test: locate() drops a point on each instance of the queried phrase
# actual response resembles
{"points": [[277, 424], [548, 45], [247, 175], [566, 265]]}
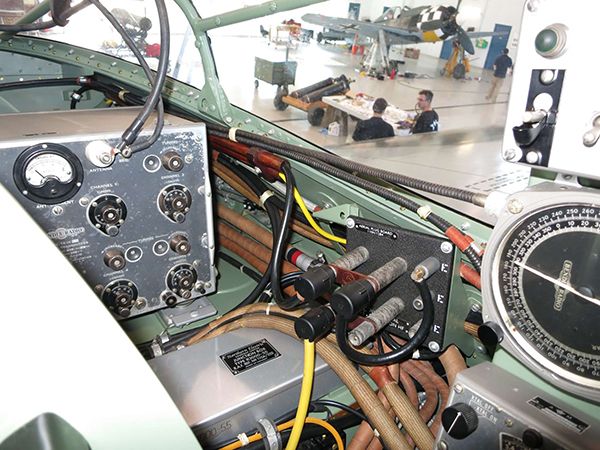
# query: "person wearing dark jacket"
{"points": [[375, 127], [501, 66], [428, 119]]}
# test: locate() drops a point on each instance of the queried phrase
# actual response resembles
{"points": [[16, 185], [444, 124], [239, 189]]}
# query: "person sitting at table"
{"points": [[375, 127], [428, 119]]}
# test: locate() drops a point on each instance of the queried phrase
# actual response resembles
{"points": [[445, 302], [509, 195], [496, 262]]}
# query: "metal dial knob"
{"points": [[459, 420]]}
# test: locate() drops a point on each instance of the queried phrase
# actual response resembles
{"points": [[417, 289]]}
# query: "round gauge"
{"points": [[546, 291], [48, 173]]}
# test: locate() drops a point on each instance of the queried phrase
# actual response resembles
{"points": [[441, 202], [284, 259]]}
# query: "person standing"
{"points": [[501, 66], [375, 127], [428, 120]]}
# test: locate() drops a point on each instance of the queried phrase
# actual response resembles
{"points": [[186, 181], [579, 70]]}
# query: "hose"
{"points": [[386, 193], [305, 392], [402, 406], [21, 27], [133, 130], [140, 58], [255, 248], [453, 363], [235, 182], [351, 166], [310, 219], [359, 388], [239, 266], [280, 244]]}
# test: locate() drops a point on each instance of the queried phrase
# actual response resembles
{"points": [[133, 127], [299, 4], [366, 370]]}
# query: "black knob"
{"points": [[459, 420], [315, 323], [490, 334], [315, 282], [349, 300], [532, 438]]}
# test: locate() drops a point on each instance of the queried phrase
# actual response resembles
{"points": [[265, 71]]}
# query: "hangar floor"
{"points": [[465, 153]]}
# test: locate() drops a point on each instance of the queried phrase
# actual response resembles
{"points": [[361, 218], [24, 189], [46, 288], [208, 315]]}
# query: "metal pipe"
{"points": [[249, 13], [313, 87]]}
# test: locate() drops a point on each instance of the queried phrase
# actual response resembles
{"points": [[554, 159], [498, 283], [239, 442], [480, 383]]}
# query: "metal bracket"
{"points": [[338, 214], [180, 316]]}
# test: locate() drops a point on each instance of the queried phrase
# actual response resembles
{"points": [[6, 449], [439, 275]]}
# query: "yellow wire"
{"points": [[303, 403], [328, 427], [310, 219], [284, 426]]}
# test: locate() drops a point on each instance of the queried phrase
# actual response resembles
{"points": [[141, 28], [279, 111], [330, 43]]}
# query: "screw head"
{"points": [[350, 223], [508, 422], [446, 247], [511, 154], [515, 206], [442, 445], [458, 388], [434, 346]]}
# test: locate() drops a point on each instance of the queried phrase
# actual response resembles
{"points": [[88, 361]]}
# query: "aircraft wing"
{"points": [[370, 29], [479, 34]]}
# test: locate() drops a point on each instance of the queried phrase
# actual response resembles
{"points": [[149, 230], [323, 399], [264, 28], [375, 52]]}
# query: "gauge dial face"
{"points": [[48, 166], [48, 173], [547, 280]]}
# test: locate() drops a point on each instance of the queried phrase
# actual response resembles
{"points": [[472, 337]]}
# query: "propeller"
{"points": [[465, 41], [448, 24]]}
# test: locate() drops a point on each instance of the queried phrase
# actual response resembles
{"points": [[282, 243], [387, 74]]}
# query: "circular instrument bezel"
{"points": [[538, 199], [45, 193]]}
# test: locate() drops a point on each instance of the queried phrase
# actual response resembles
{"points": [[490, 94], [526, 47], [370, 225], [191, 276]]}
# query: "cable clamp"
{"points": [[424, 212], [264, 197], [270, 434], [232, 132], [122, 94], [243, 438]]}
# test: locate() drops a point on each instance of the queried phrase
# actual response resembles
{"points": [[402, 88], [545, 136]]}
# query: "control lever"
{"points": [[526, 133]]}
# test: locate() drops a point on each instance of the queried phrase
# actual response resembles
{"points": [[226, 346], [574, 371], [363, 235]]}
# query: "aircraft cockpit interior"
{"points": [[183, 273]]}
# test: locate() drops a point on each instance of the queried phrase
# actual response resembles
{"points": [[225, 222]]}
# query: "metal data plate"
{"points": [[144, 236], [577, 101], [509, 406], [222, 386]]}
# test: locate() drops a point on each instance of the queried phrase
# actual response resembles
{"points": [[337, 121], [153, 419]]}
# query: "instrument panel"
{"points": [[541, 287], [139, 230]]}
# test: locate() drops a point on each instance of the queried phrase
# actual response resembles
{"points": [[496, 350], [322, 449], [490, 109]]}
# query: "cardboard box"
{"points": [[413, 53]]}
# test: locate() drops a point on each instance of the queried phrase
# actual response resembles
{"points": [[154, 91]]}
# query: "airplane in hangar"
{"points": [[405, 26]]}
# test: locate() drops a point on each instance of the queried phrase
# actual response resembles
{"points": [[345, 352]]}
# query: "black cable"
{"points": [[311, 431], [394, 356], [279, 247], [40, 83], [442, 224], [424, 355], [286, 281], [133, 130], [246, 270], [352, 166], [133, 47], [342, 406]]}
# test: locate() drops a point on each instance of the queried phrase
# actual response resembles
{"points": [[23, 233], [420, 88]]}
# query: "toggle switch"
{"points": [[534, 116], [590, 137]]}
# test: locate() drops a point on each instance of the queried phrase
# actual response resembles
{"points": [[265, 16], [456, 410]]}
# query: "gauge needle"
{"points": [[558, 283]]}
